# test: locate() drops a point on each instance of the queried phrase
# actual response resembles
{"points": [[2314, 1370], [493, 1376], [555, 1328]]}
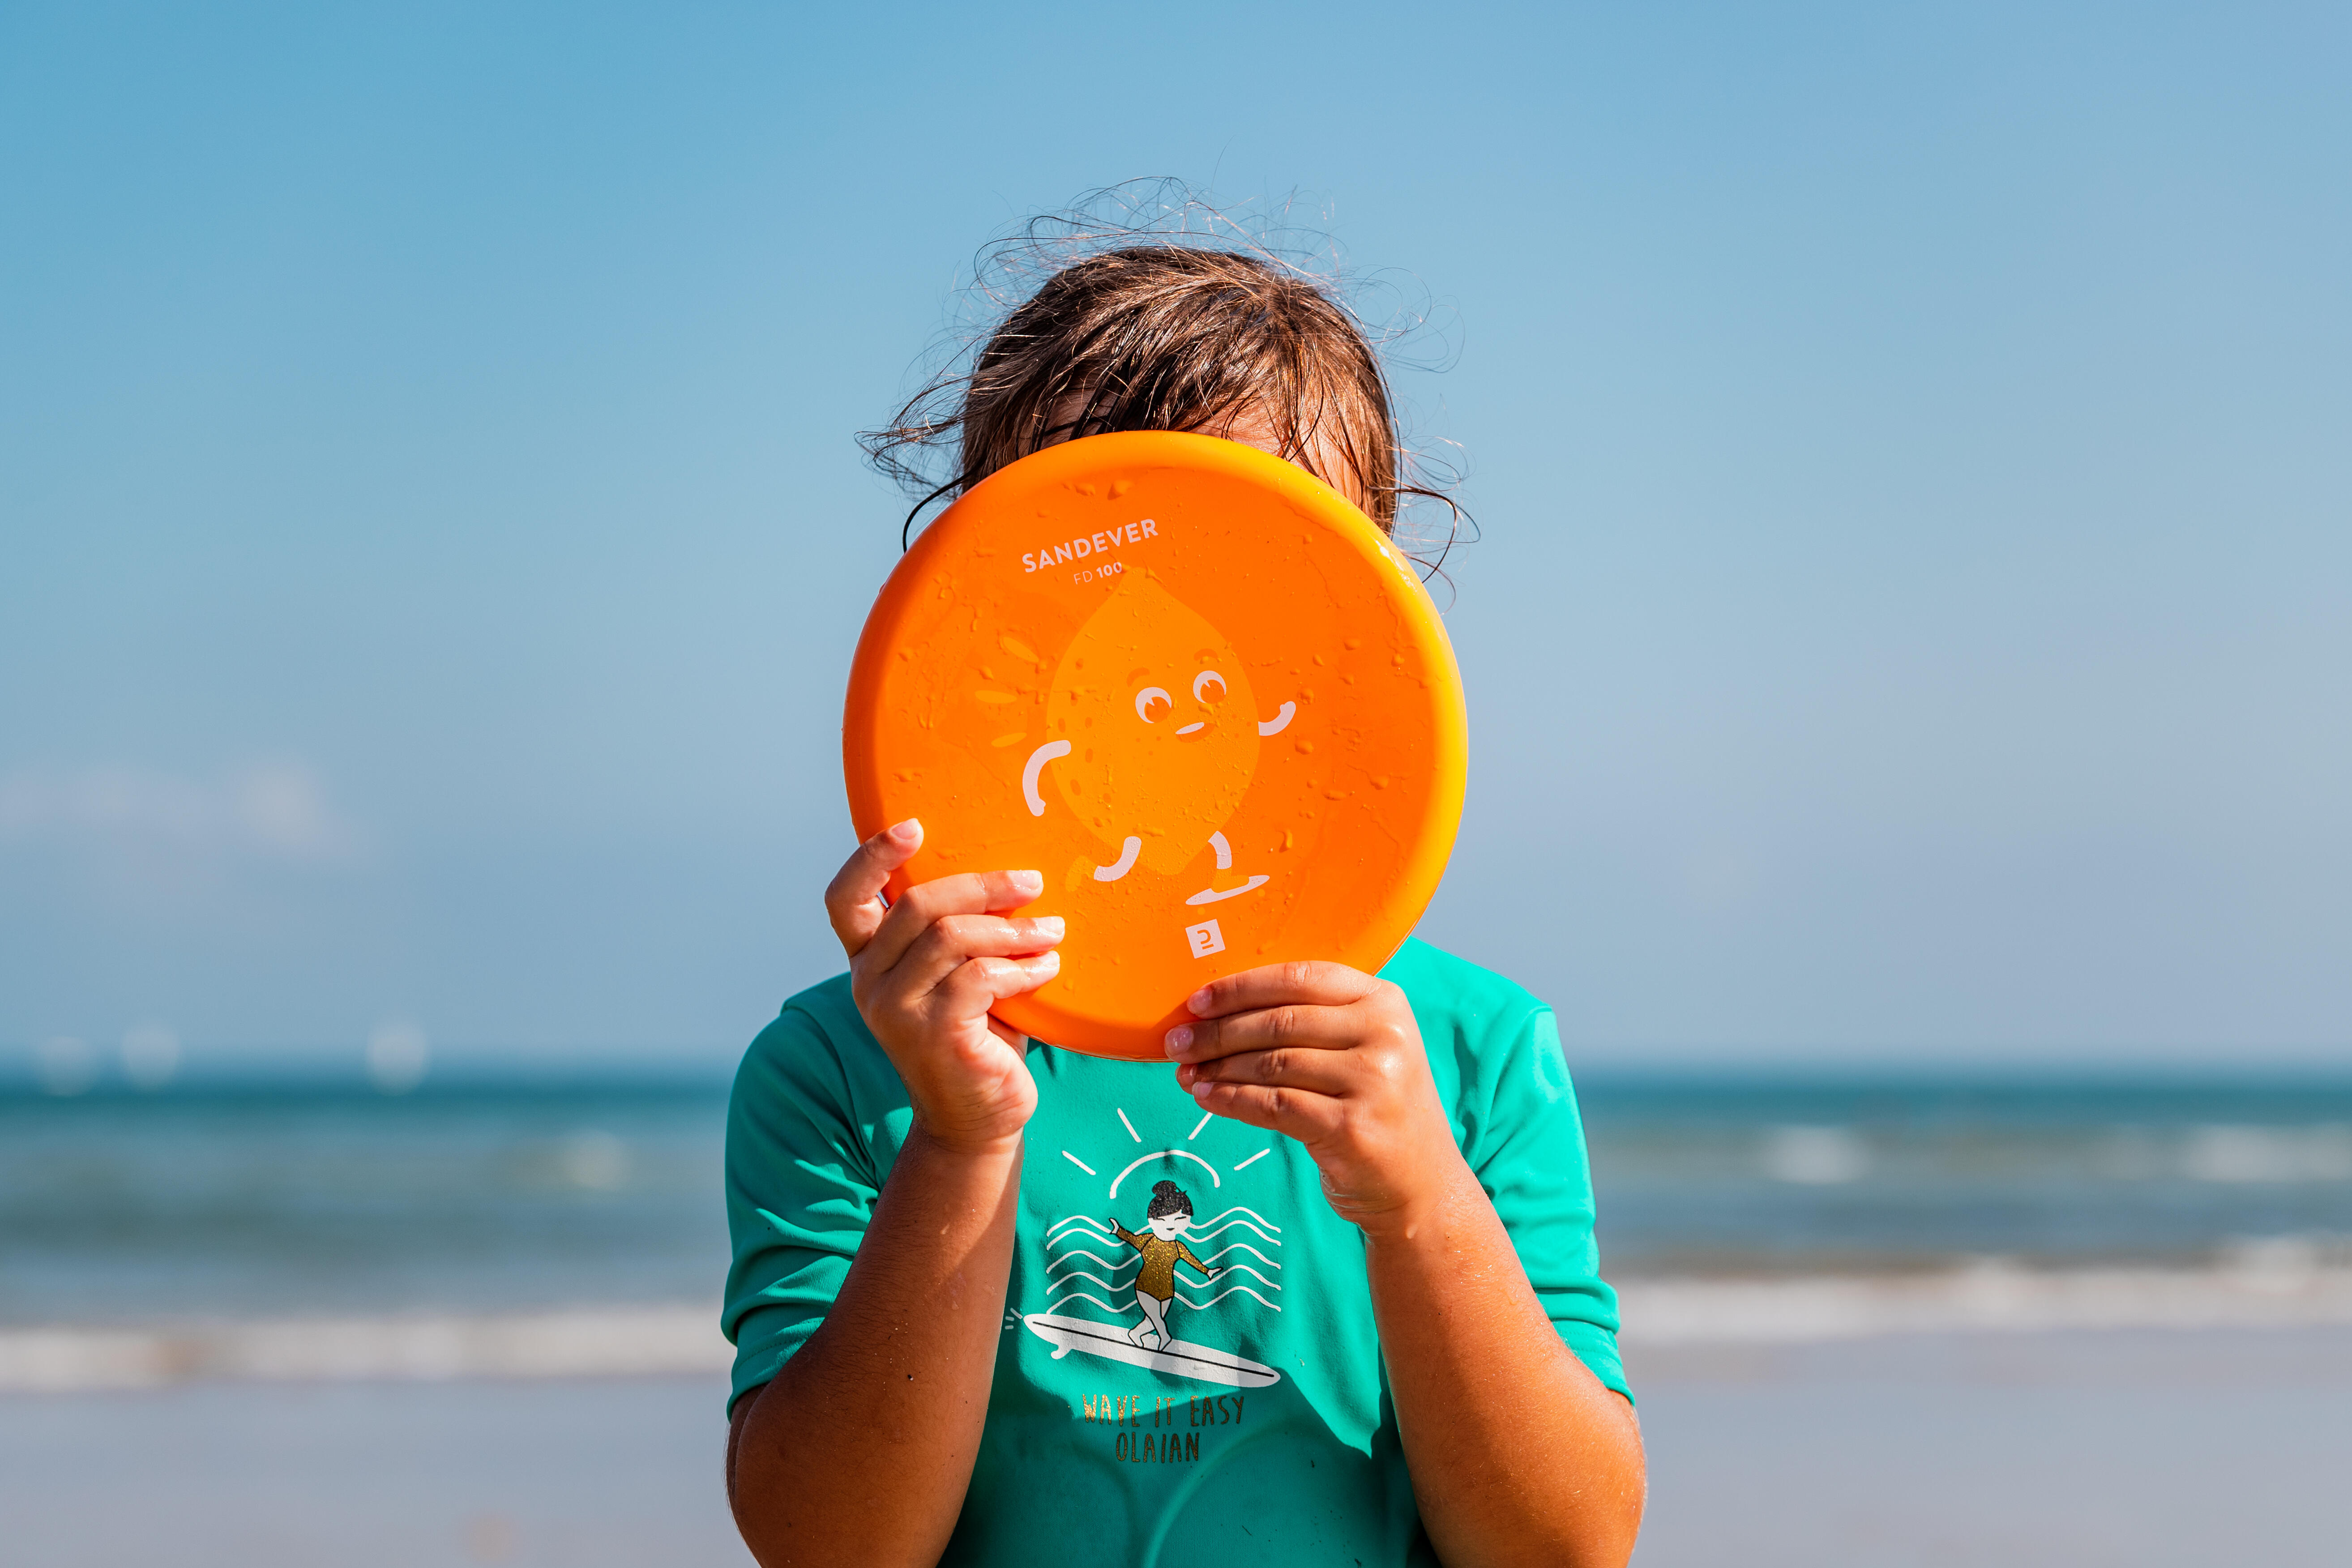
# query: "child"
{"points": [[1408, 1356], [1169, 1217]]}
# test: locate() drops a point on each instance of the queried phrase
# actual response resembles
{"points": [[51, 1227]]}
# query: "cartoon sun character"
{"points": [[1167, 1220], [1156, 736]]}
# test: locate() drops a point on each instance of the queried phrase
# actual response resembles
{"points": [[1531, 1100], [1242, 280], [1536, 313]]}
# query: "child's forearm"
{"points": [[1519, 1454], [861, 1449]]}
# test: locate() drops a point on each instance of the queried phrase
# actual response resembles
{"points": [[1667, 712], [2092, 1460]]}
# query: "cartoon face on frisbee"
{"points": [[1155, 738], [1191, 685]]}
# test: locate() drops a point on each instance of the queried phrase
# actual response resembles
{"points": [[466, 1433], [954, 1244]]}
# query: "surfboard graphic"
{"points": [[1179, 1357]]}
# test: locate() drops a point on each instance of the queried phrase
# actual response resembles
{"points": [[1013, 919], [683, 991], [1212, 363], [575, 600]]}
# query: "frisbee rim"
{"points": [[1430, 839]]}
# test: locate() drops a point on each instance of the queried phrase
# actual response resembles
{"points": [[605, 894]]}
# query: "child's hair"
{"points": [[1145, 327], [1168, 1198]]}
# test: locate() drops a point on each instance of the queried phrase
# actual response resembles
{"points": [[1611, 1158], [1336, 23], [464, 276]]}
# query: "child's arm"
{"points": [[1519, 1454], [860, 1450], [1185, 1253], [1127, 1236]]}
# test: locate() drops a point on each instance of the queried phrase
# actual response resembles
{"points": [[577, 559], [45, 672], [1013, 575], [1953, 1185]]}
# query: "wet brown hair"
{"points": [[1157, 331]]}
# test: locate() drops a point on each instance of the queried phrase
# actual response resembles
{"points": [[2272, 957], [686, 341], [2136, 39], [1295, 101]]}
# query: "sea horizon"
{"points": [[583, 1208]]}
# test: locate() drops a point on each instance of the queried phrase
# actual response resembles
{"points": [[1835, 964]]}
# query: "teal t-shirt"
{"points": [[1207, 1388]]}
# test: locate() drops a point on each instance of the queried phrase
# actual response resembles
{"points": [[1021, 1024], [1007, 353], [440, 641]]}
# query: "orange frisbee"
{"points": [[1194, 686]]}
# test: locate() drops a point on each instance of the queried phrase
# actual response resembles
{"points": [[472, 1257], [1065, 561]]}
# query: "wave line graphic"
{"points": [[1245, 1269], [1069, 1258], [1240, 1247], [1238, 1208], [1085, 1219], [1082, 1296], [1229, 1291], [1116, 1266], [1084, 1237], [1107, 1284], [1216, 1230]]}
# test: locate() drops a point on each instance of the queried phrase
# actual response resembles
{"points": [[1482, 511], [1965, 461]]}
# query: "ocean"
{"points": [[1901, 1322], [235, 1200], [1780, 1176]]}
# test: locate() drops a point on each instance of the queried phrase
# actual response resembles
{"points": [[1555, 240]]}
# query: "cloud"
{"points": [[270, 811]]}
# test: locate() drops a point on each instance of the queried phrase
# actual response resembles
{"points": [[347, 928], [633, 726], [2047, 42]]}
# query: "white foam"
{"points": [[1987, 1297], [615, 1342], [2273, 1287]]}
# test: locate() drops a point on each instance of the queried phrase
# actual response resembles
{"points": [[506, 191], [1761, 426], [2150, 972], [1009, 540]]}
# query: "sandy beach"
{"points": [[1879, 1327], [2145, 1449], [2067, 1449]]}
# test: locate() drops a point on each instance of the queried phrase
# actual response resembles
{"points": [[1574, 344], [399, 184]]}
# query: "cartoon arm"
{"points": [[1185, 1253], [1128, 1236]]}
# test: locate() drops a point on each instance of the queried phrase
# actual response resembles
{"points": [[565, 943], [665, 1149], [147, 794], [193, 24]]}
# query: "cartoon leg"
{"points": [[1225, 853], [1119, 867], [1155, 1321]]}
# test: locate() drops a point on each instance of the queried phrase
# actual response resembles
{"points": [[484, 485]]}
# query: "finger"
{"points": [[1307, 1028], [1313, 981], [1334, 1073], [852, 901], [1292, 1112], [951, 939], [979, 983], [971, 893]]}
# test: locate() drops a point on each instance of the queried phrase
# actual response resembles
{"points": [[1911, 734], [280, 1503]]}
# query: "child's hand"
{"points": [[925, 972], [1333, 1057]]}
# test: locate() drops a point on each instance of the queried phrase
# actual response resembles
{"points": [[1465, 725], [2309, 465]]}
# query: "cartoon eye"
{"points": [[1208, 687], [1151, 704]]}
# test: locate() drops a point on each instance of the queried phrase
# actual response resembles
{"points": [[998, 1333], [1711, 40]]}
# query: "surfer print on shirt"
{"points": [[1155, 736], [1236, 1251], [1169, 1215]]}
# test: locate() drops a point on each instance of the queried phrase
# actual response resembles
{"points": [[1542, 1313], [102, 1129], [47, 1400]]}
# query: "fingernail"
{"points": [[1178, 1038], [1027, 883], [907, 832], [1197, 1002], [1200, 1089], [1048, 926], [1048, 961]]}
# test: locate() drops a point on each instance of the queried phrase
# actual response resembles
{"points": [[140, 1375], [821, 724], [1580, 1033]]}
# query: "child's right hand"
{"points": [[925, 972]]}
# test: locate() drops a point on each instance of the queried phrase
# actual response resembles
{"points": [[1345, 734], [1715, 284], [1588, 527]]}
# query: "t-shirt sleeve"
{"points": [[800, 1186], [1527, 1149]]}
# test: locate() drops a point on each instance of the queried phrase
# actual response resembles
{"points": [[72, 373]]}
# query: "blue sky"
{"points": [[1914, 620]]}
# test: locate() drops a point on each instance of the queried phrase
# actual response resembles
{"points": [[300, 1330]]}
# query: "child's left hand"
{"points": [[1332, 1057]]}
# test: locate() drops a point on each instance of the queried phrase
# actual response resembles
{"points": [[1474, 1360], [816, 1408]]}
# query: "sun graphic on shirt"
{"points": [[1178, 1257]]}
